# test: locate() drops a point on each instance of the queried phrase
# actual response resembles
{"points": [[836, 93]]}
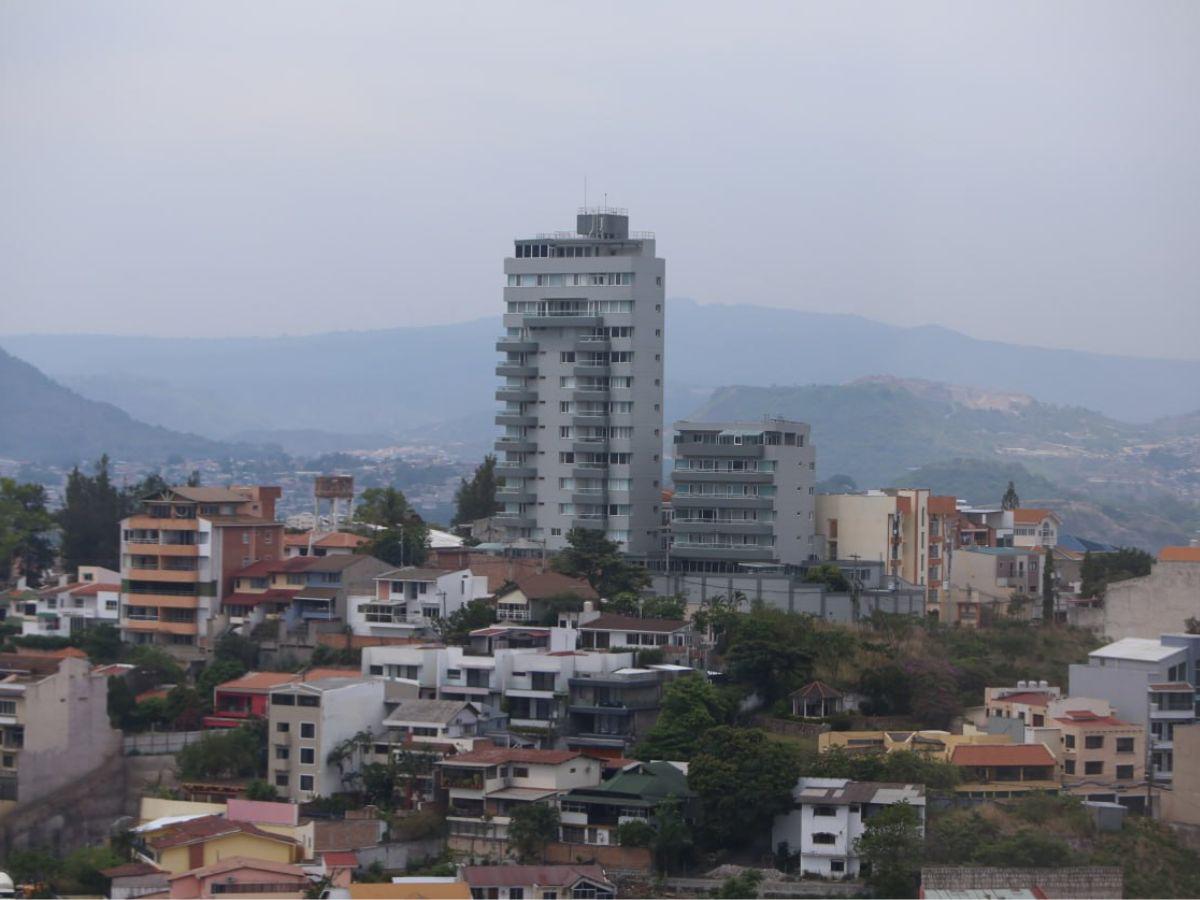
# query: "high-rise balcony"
{"points": [[519, 470], [516, 395], [591, 370], [685, 550], [516, 370], [589, 419], [515, 418], [726, 501], [592, 345], [589, 393], [716, 526], [516, 345], [506, 444], [593, 521], [563, 321], [680, 476], [515, 520], [521, 495], [687, 450], [589, 445]]}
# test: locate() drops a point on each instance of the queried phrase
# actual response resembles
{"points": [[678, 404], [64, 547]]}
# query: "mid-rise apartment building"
{"points": [[743, 493], [890, 525], [582, 389], [307, 720], [178, 557], [410, 599], [54, 726], [1149, 683]]}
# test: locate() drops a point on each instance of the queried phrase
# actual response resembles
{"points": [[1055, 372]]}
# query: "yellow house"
{"points": [[929, 742], [182, 846]]}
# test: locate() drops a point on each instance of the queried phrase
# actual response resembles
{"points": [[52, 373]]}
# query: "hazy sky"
{"points": [[1023, 171]]}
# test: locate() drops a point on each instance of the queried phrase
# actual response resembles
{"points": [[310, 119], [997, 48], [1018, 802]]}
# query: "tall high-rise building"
{"points": [[582, 392]]}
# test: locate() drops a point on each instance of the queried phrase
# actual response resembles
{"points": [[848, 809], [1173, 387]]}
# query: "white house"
{"points": [[511, 882], [408, 600], [433, 722], [829, 814], [69, 606]]}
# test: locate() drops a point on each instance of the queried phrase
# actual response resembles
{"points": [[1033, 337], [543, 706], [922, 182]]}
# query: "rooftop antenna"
{"points": [[585, 192]]}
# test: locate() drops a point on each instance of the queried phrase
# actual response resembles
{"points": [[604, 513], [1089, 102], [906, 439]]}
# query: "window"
{"points": [[305, 700], [308, 730], [283, 727], [837, 865], [1124, 773], [8, 707], [516, 893], [1093, 741], [1069, 741], [1124, 745], [1069, 767], [520, 772], [1093, 767], [824, 837], [308, 756], [375, 670], [306, 782], [824, 810], [9, 761], [245, 537], [282, 753]]}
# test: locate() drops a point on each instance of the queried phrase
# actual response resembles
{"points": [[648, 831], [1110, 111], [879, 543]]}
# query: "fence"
{"points": [[159, 742]]}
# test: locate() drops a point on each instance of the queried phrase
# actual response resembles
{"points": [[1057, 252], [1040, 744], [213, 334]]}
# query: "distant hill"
{"points": [[46, 422], [396, 380]]}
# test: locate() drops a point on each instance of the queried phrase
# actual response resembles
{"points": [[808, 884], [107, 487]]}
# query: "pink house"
{"points": [[240, 876]]}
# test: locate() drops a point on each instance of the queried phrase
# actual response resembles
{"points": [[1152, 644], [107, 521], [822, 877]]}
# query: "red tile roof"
{"points": [[817, 690], [340, 857], [492, 756], [518, 876], [1179, 554], [540, 585], [1032, 516], [132, 870], [205, 828], [614, 622], [273, 595], [1087, 717], [92, 588], [261, 682], [1002, 755]]}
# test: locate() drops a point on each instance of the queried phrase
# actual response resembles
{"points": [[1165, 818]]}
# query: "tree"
{"points": [[635, 833], [218, 672], [258, 789], [456, 627], [592, 556], [1048, 588], [25, 526], [236, 753], [402, 545], [1010, 500], [90, 518], [476, 499], [531, 827], [744, 779], [690, 707], [769, 652], [385, 507], [672, 844], [156, 664], [102, 643], [655, 607], [232, 646], [933, 686], [1099, 570], [891, 846], [829, 575]]}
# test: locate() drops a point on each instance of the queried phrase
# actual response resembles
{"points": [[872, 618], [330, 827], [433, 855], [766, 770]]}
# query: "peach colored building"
{"points": [[240, 876], [178, 556], [1103, 757]]}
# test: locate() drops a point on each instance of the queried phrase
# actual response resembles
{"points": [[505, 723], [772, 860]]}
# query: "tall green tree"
{"points": [[532, 827], [1010, 500], [476, 499], [1048, 588], [384, 507], [892, 846], [406, 544], [25, 527], [770, 651], [592, 556], [90, 519], [744, 779], [690, 707]]}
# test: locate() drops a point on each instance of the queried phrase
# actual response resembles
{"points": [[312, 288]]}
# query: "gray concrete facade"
{"points": [[581, 391], [743, 492]]}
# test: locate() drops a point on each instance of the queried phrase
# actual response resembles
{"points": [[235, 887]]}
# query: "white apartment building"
{"points": [[890, 526], [445, 722], [582, 388], [827, 817], [409, 600]]}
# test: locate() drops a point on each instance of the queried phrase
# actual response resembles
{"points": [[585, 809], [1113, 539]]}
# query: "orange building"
{"points": [[178, 556]]}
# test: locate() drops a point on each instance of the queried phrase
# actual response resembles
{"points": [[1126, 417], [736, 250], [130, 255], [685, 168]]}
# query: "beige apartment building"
{"points": [[1103, 758], [54, 726], [178, 556], [892, 526], [307, 720]]}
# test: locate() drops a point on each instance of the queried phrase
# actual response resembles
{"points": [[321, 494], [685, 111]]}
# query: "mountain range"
{"points": [[1136, 461], [401, 380]]}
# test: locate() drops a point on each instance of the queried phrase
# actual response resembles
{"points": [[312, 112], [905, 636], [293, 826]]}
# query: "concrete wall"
{"points": [[1124, 689], [1158, 603], [1181, 804], [1074, 881]]}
